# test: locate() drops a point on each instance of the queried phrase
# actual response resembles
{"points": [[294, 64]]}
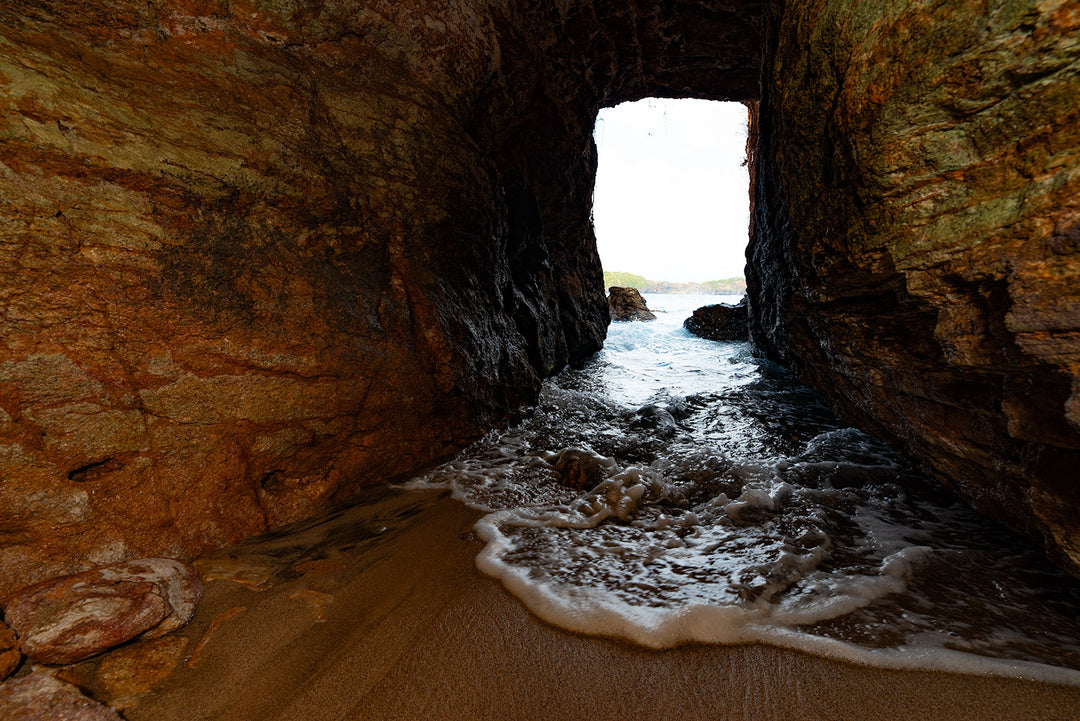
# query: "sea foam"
{"points": [[731, 507]]}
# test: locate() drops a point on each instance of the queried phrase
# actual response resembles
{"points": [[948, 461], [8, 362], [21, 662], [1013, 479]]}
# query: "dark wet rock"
{"points": [[70, 618], [580, 469], [40, 697], [626, 304], [680, 408], [720, 322], [9, 651], [656, 421]]}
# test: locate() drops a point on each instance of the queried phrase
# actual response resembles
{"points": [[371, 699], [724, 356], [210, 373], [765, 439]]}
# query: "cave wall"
{"points": [[256, 254], [915, 243]]}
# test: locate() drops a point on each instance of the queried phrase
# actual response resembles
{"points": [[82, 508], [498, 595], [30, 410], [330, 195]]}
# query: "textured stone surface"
{"points": [[257, 254], [179, 582], [916, 236], [40, 697], [10, 655], [70, 618], [720, 322], [581, 469], [626, 304]]}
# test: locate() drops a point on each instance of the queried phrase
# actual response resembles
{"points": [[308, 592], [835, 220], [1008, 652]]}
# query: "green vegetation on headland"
{"points": [[727, 286]]}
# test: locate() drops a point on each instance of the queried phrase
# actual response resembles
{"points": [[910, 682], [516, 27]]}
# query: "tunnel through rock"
{"points": [[328, 244], [671, 196]]}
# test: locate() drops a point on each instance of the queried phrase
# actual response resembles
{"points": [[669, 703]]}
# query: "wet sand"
{"points": [[379, 613]]}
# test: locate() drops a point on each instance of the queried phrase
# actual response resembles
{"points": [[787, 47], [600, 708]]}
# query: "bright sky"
{"points": [[671, 197]]}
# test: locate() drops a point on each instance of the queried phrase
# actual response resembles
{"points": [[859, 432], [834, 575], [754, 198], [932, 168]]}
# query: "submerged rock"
{"points": [[626, 304], [138, 668], [720, 322], [581, 469], [70, 618], [40, 697]]}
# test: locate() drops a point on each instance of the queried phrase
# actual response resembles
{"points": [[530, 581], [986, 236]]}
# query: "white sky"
{"points": [[671, 198]]}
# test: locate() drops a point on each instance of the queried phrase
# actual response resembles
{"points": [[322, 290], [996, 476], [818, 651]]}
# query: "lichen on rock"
{"points": [[915, 188]]}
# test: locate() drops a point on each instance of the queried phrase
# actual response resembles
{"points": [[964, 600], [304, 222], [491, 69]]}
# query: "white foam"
{"points": [[591, 611], [719, 525]]}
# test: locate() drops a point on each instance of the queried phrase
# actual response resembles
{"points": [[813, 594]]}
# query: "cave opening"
{"points": [[670, 200]]}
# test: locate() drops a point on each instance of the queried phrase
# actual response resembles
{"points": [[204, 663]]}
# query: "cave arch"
{"points": [[330, 243], [671, 195]]}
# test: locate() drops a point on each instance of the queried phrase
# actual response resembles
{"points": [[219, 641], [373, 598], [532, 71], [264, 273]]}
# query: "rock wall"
{"points": [[916, 236], [255, 254]]}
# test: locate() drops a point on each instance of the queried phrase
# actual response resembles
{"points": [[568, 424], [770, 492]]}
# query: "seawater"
{"points": [[727, 504]]}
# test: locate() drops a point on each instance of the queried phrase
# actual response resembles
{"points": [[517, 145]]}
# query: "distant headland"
{"points": [[727, 286]]}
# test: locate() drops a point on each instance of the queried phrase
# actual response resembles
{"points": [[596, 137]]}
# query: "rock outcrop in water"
{"points": [[256, 255], [626, 304], [915, 243], [720, 322]]}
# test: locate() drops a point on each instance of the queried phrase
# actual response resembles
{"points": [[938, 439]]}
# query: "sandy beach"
{"points": [[379, 613]]}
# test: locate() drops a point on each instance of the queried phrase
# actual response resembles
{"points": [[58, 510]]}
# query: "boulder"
{"points": [[720, 322], [626, 304], [70, 618], [180, 581], [40, 697], [139, 667]]}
